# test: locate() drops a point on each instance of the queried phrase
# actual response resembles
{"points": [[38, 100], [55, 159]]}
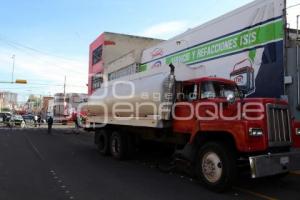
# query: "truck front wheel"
{"points": [[216, 166], [102, 142]]}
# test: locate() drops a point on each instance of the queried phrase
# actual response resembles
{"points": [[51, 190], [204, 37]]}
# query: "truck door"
{"points": [[184, 114], [207, 107]]}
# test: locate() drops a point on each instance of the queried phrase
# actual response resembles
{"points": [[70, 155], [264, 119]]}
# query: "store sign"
{"points": [[157, 52], [238, 42], [240, 80]]}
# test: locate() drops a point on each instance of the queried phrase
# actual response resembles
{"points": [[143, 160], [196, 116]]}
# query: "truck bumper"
{"points": [[272, 164]]}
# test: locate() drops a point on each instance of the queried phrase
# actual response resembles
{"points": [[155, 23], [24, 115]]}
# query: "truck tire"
{"points": [[102, 141], [118, 145], [216, 166]]}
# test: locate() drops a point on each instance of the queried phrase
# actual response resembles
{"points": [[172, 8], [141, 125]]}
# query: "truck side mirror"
{"points": [[242, 95]]}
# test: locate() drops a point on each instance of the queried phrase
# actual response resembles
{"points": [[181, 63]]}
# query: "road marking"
{"points": [[35, 149], [38, 153], [257, 194]]}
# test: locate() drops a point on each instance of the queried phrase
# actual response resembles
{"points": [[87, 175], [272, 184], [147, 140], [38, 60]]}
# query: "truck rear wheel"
{"points": [[216, 166], [102, 142], [118, 145]]}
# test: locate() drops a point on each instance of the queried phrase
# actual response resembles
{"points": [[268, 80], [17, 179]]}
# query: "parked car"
{"points": [[29, 119], [16, 120], [4, 116]]}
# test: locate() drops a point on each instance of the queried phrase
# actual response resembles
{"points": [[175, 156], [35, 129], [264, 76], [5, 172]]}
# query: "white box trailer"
{"points": [[250, 45]]}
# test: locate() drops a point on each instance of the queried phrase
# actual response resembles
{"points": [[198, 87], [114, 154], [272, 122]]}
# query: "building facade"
{"points": [[65, 105], [107, 48], [44, 106], [8, 100], [1, 104], [50, 109]]}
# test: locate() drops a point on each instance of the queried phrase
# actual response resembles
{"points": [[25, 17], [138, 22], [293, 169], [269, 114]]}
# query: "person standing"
{"points": [[39, 120], [50, 123], [35, 120]]}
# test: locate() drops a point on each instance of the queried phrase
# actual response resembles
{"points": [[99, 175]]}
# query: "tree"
{"points": [[5, 109]]}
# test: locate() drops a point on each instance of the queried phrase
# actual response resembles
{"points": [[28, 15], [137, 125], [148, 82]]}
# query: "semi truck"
{"points": [[224, 94]]}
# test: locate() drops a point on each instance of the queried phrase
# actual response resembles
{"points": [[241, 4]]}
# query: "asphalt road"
{"points": [[35, 165]]}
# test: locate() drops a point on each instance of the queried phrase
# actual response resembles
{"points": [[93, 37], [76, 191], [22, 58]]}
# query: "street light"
{"points": [[18, 81], [21, 81]]}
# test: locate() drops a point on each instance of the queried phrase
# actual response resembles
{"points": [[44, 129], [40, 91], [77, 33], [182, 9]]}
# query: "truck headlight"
{"points": [[298, 131], [255, 132]]}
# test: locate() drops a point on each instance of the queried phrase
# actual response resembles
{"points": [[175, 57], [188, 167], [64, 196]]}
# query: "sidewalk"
{"points": [[55, 125]]}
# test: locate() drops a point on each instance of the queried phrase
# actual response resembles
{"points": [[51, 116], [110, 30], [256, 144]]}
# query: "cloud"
{"points": [[165, 30], [169, 29], [292, 13]]}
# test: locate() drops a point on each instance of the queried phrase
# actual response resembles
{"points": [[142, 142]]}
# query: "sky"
{"points": [[50, 39]]}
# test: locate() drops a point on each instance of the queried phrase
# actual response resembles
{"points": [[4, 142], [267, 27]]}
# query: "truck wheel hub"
{"points": [[212, 167], [115, 145]]}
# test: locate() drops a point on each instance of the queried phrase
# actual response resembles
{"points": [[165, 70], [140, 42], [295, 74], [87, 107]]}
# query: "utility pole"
{"points": [[65, 86], [13, 68], [40, 105], [64, 110]]}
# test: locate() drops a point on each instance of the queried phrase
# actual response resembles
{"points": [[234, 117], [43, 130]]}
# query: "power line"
{"points": [[35, 49], [58, 85], [39, 58], [41, 87], [30, 50], [50, 84]]}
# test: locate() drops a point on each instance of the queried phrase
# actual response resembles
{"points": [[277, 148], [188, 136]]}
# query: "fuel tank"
{"points": [[136, 97]]}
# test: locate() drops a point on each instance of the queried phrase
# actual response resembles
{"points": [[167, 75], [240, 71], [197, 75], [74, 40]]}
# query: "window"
{"points": [[97, 55], [207, 90], [131, 69], [128, 70], [97, 80], [190, 92], [217, 90]]}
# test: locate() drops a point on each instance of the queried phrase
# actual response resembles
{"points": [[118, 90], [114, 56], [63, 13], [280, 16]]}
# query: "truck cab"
{"points": [[226, 128]]}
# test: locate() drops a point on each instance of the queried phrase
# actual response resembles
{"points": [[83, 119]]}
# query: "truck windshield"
{"points": [[214, 89]]}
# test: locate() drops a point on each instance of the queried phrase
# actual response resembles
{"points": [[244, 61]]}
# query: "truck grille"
{"points": [[279, 129]]}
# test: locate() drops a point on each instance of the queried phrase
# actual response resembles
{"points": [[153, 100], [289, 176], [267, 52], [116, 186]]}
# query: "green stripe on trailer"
{"points": [[247, 39]]}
